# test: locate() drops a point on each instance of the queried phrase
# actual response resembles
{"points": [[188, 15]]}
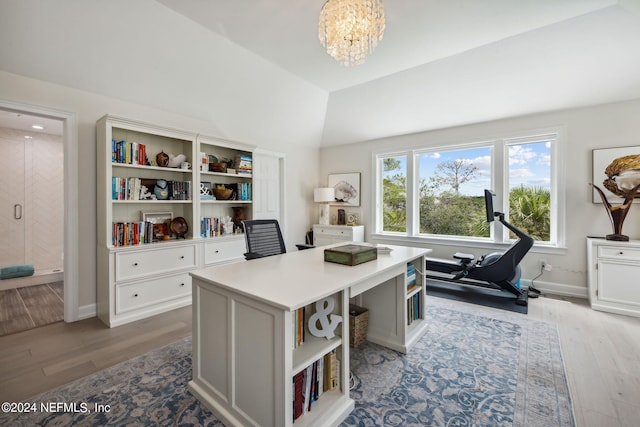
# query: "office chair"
{"points": [[263, 238]]}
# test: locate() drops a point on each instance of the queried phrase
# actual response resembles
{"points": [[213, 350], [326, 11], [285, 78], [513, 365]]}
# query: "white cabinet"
{"points": [[329, 234], [224, 249], [139, 273], [614, 268], [136, 282]]}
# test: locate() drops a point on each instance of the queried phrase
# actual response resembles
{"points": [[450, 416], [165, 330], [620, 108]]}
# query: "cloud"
{"points": [[520, 173]]}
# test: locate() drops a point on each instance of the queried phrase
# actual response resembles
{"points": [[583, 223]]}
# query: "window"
{"points": [[439, 192], [529, 183], [451, 191], [394, 196]]}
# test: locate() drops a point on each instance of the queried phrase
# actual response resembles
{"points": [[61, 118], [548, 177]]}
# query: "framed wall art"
{"points": [[347, 188], [623, 174]]}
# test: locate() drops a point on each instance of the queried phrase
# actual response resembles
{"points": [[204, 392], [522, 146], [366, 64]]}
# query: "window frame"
{"points": [[499, 145]]}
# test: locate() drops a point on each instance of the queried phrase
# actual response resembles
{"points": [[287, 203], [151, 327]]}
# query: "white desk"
{"points": [[243, 355]]}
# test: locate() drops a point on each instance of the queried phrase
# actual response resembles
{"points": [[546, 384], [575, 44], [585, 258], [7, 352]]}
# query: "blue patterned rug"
{"points": [[474, 367]]}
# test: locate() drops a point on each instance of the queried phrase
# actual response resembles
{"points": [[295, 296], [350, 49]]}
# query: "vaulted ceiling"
{"points": [[440, 64]]}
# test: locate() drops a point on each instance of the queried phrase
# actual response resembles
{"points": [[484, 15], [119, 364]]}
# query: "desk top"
{"points": [[296, 279]]}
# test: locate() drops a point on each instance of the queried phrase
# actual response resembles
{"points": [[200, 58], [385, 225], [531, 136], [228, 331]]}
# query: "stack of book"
{"points": [[131, 233], [244, 191], [210, 227], [413, 308], [134, 189], [130, 153], [243, 164], [411, 277], [309, 384], [298, 327]]}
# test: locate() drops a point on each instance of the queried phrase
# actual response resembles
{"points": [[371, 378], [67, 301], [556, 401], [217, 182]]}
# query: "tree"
{"points": [[394, 197], [453, 173], [443, 210], [530, 210]]}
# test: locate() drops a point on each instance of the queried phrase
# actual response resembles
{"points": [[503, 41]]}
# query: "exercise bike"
{"points": [[495, 270]]}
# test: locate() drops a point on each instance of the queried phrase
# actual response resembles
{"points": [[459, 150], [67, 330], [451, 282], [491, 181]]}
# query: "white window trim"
{"points": [[499, 176]]}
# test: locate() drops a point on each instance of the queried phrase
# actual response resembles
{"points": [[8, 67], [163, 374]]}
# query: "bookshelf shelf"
{"points": [[153, 202], [226, 202], [312, 349], [153, 168], [231, 175], [414, 291]]}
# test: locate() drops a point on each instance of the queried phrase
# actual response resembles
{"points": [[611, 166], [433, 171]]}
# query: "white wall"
{"points": [[301, 160], [610, 125]]}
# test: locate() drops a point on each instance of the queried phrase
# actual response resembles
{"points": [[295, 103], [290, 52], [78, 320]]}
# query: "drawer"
{"points": [[617, 252], [133, 296], [131, 265], [345, 232], [224, 251]]}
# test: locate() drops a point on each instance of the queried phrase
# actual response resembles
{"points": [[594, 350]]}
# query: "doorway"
{"points": [[46, 205]]}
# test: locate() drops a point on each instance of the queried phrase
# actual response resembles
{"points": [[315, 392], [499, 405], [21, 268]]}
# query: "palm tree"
{"points": [[530, 210]]}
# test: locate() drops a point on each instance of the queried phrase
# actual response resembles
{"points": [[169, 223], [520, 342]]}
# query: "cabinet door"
{"points": [[618, 282]]}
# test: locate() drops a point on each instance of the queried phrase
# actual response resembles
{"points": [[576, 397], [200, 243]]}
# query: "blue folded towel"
{"points": [[13, 271]]}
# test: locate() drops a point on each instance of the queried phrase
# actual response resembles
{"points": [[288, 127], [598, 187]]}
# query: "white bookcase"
{"points": [[135, 279]]}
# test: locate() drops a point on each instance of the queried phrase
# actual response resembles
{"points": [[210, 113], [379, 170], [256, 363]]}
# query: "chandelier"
{"points": [[351, 29]]}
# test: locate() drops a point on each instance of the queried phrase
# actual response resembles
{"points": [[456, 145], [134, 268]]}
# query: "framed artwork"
{"points": [[604, 157], [160, 221], [157, 217], [347, 188]]}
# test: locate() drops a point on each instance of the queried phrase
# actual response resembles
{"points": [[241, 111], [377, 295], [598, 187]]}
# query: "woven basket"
{"points": [[358, 321]]}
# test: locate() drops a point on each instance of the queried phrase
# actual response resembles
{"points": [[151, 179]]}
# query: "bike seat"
{"points": [[464, 257]]}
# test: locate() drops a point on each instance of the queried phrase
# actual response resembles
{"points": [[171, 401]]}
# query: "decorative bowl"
{"points": [[218, 167], [179, 226], [223, 193]]}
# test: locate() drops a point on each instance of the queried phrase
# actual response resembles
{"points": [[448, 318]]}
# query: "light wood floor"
{"points": [[601, 353], [31, 307]]}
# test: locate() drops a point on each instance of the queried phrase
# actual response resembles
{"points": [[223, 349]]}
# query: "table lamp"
{"points": [[324, 195]]}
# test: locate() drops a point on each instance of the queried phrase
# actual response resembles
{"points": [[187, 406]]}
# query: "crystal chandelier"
{"points": [[351, 29]]}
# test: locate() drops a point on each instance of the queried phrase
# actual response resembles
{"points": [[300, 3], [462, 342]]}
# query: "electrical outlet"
{"points": [[543, 264], [548, 266]]}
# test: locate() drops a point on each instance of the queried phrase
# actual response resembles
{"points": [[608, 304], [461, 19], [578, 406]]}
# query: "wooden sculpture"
{"points": [[617, 214]]}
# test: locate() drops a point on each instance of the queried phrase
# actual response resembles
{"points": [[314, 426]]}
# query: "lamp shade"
{"points": [[324, 194]]}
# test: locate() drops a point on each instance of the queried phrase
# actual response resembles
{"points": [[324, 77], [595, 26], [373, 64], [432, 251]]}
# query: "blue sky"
{"points": [[529, 165]]}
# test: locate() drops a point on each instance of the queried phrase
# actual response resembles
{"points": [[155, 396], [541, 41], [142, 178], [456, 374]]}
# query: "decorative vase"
{"points": [[238, 217], [161, 190]]}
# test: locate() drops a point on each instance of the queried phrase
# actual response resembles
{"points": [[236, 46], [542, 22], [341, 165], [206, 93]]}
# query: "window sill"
{"points": [[462, 243]]}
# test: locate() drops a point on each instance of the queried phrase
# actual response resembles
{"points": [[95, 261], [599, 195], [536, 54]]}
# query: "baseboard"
{"points": [[558, 288], [87, 311], [39, 278]]}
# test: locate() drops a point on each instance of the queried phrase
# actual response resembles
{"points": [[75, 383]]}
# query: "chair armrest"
{"points": [[302, 247]]}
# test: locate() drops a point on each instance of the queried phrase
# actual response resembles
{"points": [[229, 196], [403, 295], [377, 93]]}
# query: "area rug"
{"points": [[473, 367]]}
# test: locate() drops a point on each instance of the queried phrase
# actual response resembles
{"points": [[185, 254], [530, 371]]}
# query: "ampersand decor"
{"points": [[328, 321]]}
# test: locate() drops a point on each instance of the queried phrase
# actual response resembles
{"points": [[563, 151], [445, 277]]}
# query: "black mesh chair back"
{"points": [[263, 238]]}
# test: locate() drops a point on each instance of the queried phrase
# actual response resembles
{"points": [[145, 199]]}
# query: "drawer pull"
{"points": [[181, 284], [135, 264], [135, 295], [181, 256], [217, 251], [620, 253]]}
